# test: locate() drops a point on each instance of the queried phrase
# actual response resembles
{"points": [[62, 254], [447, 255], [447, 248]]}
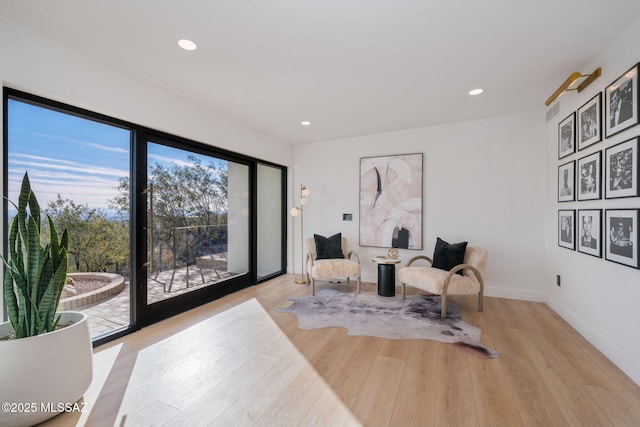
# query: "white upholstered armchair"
{"points": [[443, 282], [333, 267]]}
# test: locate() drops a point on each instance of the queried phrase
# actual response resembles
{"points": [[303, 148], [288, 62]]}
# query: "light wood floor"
{"points": [[237, 361]]}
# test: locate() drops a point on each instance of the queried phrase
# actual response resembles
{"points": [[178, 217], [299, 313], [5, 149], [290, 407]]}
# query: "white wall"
{"points": [[597, 297], [42, 67], [482, 183]]}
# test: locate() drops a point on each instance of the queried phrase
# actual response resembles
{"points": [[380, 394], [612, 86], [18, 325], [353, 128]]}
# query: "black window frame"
{"points": [[138, 241]]}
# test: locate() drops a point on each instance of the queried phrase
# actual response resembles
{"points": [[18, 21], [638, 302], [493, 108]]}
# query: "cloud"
{"points": [[107, 148], [46, 159], [84, 184], [67, 165], [94, 195], [169, 160], [81, 142]]}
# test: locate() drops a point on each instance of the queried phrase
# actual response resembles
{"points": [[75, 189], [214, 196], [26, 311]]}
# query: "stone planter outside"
{"points": [[94, 297]]}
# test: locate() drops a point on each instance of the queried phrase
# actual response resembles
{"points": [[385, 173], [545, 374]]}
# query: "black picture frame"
{"points": [[567, 136], [621, 102], [589, 227], [622, 173], [589, 177], [566, 182], [622, 236], [567, 228], [589, 125]]}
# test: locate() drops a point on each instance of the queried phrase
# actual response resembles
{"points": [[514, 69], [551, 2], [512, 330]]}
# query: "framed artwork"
{"points": [[566, 229], [622, 236], [621, 170], [589, 177], [590, 232], [621, 102], [566, 180], [567, 136], [391, 201], [590, 122]]}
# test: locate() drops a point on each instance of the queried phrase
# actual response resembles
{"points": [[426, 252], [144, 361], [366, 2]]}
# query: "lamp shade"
{"points": [[294, 211]]}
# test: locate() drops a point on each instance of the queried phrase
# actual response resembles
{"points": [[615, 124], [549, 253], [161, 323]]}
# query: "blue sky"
{"points": [[82, 160]]}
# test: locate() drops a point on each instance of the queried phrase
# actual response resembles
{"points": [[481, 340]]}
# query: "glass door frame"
{"points": [[38, 101], [150, 313], [283, 223], [140, 313]]}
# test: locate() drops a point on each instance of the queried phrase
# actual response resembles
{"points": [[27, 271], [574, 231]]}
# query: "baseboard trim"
{"points": [[609, 349], [520, 294]]}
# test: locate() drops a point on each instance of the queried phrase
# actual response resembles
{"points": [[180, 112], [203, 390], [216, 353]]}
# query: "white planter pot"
{"points": [[39, 374]]}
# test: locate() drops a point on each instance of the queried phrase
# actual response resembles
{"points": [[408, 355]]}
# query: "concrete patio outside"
{"points": [[114, 313]]}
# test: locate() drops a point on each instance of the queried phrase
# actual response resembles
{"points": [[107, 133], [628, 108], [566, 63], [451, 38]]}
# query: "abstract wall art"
{"points": [[391, 201]]}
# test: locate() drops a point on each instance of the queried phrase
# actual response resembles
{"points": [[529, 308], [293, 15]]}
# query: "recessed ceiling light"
{"points": [[476, 91], [305, 123], [187, 44]]}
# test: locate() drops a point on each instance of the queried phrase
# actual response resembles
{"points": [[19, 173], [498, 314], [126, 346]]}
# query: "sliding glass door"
{"points": [[158, 224], [197, 230]]}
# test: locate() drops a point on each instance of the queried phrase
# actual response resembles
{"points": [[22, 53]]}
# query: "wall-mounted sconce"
{"points": [[572, 78]]}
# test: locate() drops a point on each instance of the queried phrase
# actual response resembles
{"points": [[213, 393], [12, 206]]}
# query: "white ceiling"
{"points": [[352, 67]]}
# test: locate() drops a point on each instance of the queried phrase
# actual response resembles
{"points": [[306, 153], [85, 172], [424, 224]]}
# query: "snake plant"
{"points": [[35, 270]]}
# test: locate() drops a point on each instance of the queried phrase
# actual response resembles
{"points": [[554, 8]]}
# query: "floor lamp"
{"points": [[295, 211]]}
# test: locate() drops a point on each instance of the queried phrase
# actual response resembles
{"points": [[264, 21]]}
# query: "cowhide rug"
{"points": [[417, 317]]}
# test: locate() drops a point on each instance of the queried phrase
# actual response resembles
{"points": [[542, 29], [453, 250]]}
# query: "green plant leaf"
{"points": [[35, 272], [21, 327], [9, 294]]}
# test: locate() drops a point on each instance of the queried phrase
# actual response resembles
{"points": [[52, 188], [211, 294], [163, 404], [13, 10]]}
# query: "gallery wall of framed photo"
{"points": [[595, 169]]}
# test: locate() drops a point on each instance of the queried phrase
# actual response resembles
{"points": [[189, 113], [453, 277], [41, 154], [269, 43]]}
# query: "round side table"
{"points": [[386, 275]]}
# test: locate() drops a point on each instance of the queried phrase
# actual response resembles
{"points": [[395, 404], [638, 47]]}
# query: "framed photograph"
{"points": [[566, 229], [590, 232], [567, 136], [590, 122], [566, 180], [621, 102], [622, 236], [621, 170], [391, 201], [589, 177]]}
